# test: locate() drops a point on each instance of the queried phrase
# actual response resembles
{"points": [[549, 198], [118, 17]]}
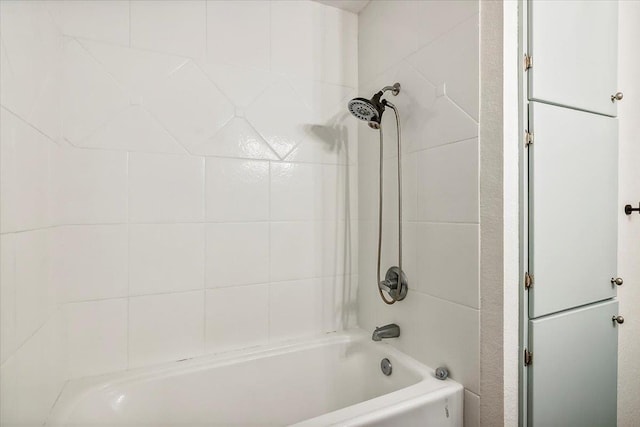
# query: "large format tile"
{"points": [[189, 105], [169, 26], [238, 32], [89, 262], [237, 190], [244, 307], [97, 334], [237, 254], [7, 297], [102, 20], [166, 258], [89, 186], [92, 97], [459, 72], [24, 175], [295, 309], [136, 70], [296, 192], [165, 328], [165, 188], [448, 260], [35, 296], [448, 183]]}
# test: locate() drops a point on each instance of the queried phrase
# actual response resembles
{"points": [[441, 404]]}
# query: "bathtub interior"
{"points": [[272, 387]]}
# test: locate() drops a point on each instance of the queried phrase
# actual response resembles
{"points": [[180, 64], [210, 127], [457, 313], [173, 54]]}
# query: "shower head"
{"points": [[365, 109], [371, 110]]}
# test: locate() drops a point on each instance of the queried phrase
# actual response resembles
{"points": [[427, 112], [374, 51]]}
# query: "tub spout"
{"points": [[387, 331]]}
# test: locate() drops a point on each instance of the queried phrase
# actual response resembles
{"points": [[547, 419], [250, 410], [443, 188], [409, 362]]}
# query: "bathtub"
{"points": [[332, 380]]}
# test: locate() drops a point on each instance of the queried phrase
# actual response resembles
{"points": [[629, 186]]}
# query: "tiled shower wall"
{"points": [[203, 201], [32, 345], [432, 49], [190, 188]]}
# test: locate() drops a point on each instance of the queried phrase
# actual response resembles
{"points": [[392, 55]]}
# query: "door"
{"points": [[573, 208], [573, 372], [574, 49]]}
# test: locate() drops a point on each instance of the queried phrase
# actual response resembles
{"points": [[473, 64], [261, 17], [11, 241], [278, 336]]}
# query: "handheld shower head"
{"points": [[371, 110]]}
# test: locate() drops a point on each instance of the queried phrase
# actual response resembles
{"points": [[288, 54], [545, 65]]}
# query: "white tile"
{"points": [[136, 70], [438, 17], [133, 129], [25, 175], [244, 307], [90, 186], [97, 334], [295, 250], [339, 57], [92, 96], [241, 84], [30, 54], [236, 139], [380, 49], [471, 409], [238, 32], [7, 297], [295, 309], [89, 261], [454, 344], [165, 328], [280, 116], [340, 302], [35, 296], [169, 26], [296, 191], [189, 105], [301, 250], [448, 183], [99, 20], [237, 190], [340, 20], [33, 378], [449, 262], [165, 188], [460, 72], [296, 38], [166, 258], [237, 254]]}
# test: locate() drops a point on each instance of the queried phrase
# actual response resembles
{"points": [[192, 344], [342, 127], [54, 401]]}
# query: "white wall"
{"points": [[199, 196], [32, 342], [412, 43], [629, 226]]}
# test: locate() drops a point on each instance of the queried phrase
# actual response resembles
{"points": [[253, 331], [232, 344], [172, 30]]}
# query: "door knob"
{"points": [[617, 97], [617, 281], [618, 319]]}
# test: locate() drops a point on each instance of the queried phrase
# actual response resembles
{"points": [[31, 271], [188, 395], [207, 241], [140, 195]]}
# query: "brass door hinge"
{"points": [[528, 357], [528, 62], [528, 281]]}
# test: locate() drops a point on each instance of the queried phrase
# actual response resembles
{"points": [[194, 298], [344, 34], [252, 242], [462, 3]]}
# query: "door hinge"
{"points": [[528, 357], [528, 281], [528, 61], [528, 138]]}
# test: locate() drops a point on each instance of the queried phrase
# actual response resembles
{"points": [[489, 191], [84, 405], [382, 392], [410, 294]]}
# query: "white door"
{"points": [[573, 206], [573, 373], [574, 47]]}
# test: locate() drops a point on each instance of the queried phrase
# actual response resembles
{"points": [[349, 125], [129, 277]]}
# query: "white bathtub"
{"points": [[333, 380]]}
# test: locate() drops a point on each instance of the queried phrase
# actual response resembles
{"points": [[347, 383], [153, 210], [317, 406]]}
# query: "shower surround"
{"points": [[180, 178]]}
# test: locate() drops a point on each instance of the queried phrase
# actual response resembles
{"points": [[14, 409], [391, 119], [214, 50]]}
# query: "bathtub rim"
{"points": [[427, 388]]}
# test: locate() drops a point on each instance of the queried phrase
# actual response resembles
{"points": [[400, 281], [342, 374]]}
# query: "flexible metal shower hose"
{"points": [[380, 190]]}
